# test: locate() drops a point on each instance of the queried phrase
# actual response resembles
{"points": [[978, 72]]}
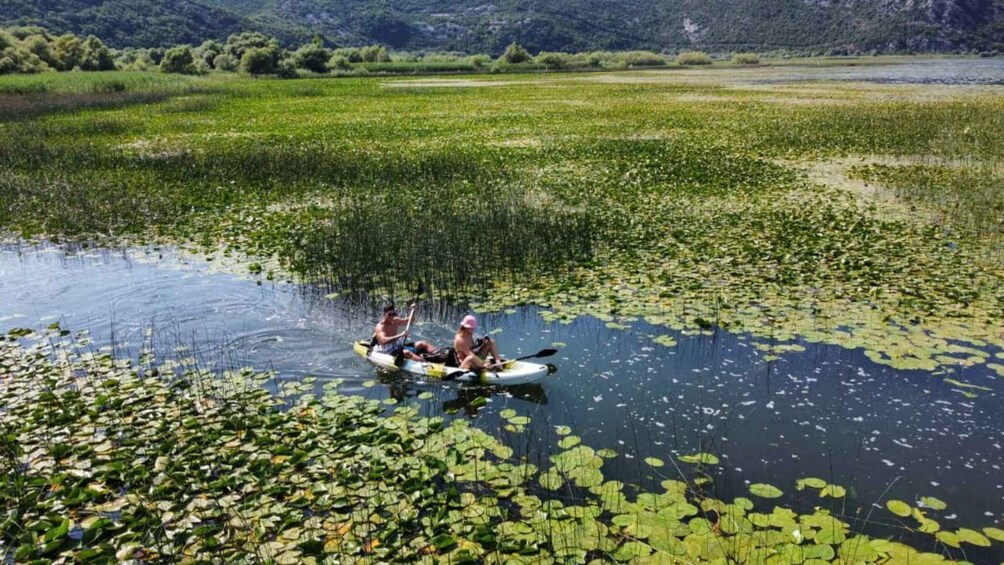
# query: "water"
{"points": [[989, 71], [826, 412]]}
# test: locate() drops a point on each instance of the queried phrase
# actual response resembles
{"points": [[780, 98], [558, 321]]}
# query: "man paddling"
{"points": [[473, 354], [391, 341]]}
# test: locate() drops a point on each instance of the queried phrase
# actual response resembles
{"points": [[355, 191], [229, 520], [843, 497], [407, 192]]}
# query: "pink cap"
{"points": [[469, 322]]}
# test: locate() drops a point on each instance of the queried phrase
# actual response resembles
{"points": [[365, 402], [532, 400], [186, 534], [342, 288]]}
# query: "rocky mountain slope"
{"points": [[565, 25]]}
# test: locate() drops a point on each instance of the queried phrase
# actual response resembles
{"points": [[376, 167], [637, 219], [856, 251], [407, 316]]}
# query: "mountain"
{"points": [[551, 25]]}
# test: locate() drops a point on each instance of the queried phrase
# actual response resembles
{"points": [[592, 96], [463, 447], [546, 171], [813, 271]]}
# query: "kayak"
{"points": [[512, 373]]}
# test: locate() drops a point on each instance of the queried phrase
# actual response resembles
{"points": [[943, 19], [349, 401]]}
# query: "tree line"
{"points": [[35, 50]]}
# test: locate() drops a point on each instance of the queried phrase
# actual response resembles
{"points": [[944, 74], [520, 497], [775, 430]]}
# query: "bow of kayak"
{"points": [[512, 373]]}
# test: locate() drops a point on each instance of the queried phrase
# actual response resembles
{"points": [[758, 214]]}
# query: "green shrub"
{"points": [[15, 60], [226, 63], [69, 51], [746, 59], [350, 54], [208, 52], [339, 63], [515, 54], [693, 58], [179, 60], [312, 57], [260, 61], [552, 61], [374, 54], [643, 59]]}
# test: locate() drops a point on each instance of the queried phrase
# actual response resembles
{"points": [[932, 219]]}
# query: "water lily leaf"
{"points": [[700, 458], [933, 503], [948, 538], [519, 420], [607, 453], [507, 413], [972, 537], [562, 430], [425, 396], [812, 482], [765, 491], [569, 441], [665, 340], [551, 480], [654, 461], [899, 508], [994, 534], [833, 490]]}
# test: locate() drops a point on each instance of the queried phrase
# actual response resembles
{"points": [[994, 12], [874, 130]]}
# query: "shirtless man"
{"points": [[391, 341], [472, 355]]}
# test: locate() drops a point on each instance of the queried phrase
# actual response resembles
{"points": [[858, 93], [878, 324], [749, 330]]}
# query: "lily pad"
{"points": [[765, 491], [972, 537], [833, 490], [933, 503], [700, 458], [899, 508]]}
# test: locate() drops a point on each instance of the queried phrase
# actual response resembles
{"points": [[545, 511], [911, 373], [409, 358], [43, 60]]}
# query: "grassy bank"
{"points": [[660, 195], [104, 459]]}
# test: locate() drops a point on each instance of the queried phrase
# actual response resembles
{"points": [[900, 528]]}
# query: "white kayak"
{"points": [[514, 372]]}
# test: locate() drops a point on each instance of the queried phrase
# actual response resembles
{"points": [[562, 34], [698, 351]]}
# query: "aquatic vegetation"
{"points": [[620, 199], [104, 459]]}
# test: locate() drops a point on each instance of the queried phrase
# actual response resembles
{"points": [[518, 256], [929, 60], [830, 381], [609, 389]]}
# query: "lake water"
{"points": [[827, 412], [987, 71]]}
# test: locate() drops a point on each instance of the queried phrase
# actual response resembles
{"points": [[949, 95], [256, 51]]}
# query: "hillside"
{"points": [[566, 25]]}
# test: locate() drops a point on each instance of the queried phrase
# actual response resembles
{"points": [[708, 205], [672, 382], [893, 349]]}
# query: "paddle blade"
{"points": [[546, 353]]}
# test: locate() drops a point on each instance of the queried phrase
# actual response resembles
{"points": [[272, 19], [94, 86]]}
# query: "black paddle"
{"points": [[541, 353]]}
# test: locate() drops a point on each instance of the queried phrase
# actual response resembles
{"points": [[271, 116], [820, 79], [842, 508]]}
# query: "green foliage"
{"points": [[95, 56], [552, 61], [707, 184], [208, 52], [350, 54], [312, 57], [745, 59], [392, 486], [693, 58], [239, 44], [515, 54], [226, 62], [374, 54], [339, 63], [179, 60], [69, 50], [258, 61]]}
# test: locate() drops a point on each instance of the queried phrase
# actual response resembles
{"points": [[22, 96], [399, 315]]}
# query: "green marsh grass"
{"points": [[591, 194]]}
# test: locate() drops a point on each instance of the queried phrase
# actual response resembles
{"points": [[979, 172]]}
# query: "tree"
{"points": [[238, 44], [208, 51], [96, 57], [179, 60], [69, 51], [351, 54], [260, 61], [515, 54], [42, 48], [225, 62], [312, 57], [374, 54], [339, 63], [552, 60]]}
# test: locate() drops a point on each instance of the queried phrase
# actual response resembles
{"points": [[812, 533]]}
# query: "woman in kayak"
{"points": [[389, 340], [471, 353]]}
